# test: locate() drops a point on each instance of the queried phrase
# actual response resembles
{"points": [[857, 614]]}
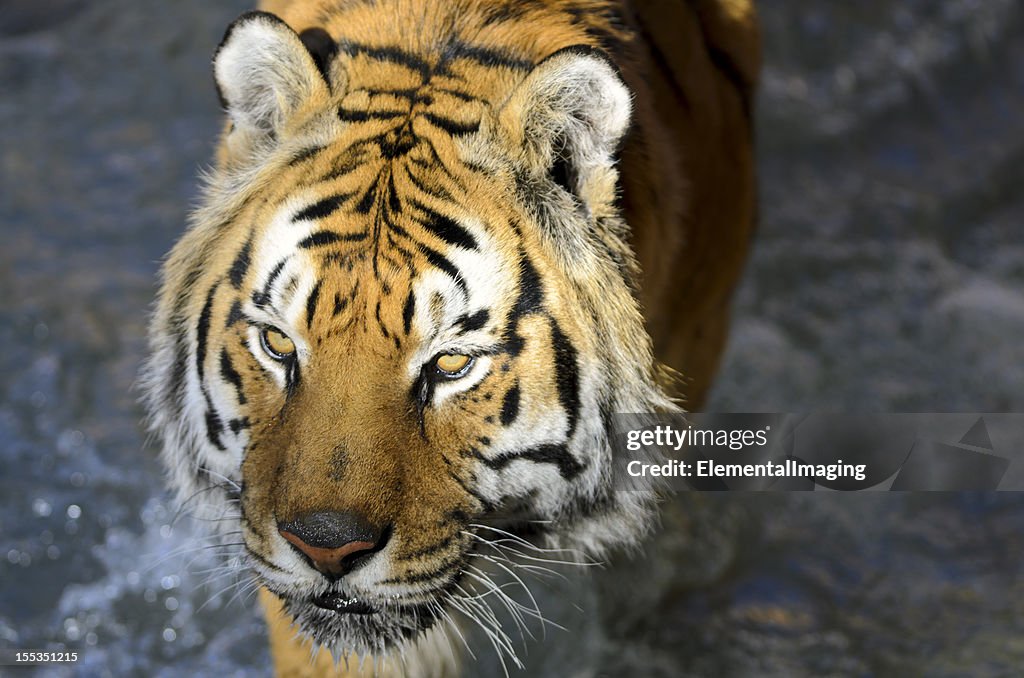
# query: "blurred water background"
{"points": [[888, 275]]}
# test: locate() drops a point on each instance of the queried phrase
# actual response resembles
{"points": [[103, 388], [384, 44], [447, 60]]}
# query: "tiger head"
{"points": [[402, 316]]}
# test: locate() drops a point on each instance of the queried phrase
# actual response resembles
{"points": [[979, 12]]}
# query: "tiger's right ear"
{"points": [[566, 119], [265, 75]]}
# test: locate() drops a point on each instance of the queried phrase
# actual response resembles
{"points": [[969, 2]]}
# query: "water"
{"points": [[887, 277]]}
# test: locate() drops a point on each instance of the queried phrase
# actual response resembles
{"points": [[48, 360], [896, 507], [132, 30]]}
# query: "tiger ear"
{"points": [[264, 75], [568, 117]]}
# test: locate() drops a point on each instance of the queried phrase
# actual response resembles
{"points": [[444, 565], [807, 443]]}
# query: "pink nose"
{"points": [[332, 541]]}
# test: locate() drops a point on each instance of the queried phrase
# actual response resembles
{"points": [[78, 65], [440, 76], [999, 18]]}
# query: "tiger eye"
{"points": [[452, 364], [277, 344]]}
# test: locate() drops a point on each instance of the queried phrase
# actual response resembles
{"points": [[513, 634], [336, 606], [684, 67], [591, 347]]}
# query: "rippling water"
{"points": [[887, 277]]}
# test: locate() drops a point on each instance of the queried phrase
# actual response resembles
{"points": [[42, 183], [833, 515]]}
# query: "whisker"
{"points": [[505, 600]]}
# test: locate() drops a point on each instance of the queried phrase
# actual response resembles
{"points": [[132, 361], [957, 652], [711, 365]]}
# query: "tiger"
{"points": [[442, 244]]}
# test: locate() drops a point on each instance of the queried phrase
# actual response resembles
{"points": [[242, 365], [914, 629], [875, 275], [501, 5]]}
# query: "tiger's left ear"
{"points": [[568, 117], [265, 75]]}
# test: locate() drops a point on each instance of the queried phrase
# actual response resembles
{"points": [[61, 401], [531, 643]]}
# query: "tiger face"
{"points": [[401, 317]]}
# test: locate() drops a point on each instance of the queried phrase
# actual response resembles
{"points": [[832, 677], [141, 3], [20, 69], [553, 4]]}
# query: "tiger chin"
{"points": [[398, 325]]}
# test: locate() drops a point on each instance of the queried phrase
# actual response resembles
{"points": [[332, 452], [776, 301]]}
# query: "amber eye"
{"points": [[453, 365], [277, 344]]}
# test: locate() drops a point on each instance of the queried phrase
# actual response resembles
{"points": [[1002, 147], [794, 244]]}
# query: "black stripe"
{"points": [[508, 11], [393, 201], [339, 304], [445, 228], [237, 425], [407, 311], [366, 202], [470, 323], [392, 55], [557, 454], [453, 127], [438, 192], [203, 330], [214, 427], [440, 545], [448, 565], [240, 266], [510, 405], [531, 290], [235, 314], [311, 302], [435, 163], [380, 323], [456, 515], [348, 115], [305, 154], [485, 503], [439, 261], [231, 375], [485, 56], [396, 143], [529, 300], [567, 376], [462, 96], [397, 93], [321, 238], [249, 553], [322, 208], [261, 299], [395, 228], [179, 369], [342, 169]]}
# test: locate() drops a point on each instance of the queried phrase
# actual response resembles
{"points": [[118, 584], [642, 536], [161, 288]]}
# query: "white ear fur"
{"points": [[264, 73], [574, 97]]}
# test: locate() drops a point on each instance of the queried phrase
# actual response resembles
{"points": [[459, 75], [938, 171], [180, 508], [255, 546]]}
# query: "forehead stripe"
{"points": [[321, 238], [471, 323], [445, 228], [452, 127], [348, 115], [438, 191], [438, 260], [323, 208], [392, 55]]}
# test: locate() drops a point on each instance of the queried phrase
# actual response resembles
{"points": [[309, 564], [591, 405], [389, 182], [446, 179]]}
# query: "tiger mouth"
{"points": [[343, 604], [352, 624]]}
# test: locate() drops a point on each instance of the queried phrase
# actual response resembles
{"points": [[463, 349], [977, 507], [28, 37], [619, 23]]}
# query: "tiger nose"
{"points": [[335, 542]]}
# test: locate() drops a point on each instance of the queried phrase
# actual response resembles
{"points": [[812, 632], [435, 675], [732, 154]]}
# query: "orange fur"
{"points": [[348, 437]]}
